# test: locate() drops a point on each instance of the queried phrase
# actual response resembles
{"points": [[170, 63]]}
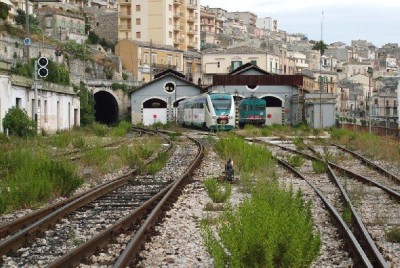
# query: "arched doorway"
{"points": [[154, 111], [106, 108], [274, 110]]}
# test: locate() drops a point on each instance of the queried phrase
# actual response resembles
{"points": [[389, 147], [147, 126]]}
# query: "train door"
{"points": [[273, 110]]}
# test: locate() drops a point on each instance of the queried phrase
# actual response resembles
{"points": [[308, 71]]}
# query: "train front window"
{"points": [[221, 104]]}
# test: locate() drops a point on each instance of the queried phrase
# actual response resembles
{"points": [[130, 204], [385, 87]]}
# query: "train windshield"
{"points": [[221, 104]]}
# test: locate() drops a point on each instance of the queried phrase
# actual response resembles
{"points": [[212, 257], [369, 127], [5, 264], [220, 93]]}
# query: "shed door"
{"points": [[154, 115]]}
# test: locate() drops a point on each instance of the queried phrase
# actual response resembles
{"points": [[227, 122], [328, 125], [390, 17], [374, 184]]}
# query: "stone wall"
{"points": [[104, 22]]}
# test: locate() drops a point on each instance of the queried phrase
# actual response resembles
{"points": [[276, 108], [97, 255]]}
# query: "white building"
{"points": [[58, 106]]}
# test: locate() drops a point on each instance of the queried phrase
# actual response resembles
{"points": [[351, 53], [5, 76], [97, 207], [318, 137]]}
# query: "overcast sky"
{"points": [[377, 21]]}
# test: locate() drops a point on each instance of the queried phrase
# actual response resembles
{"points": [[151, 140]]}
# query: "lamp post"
{"points": [[370, 71]]}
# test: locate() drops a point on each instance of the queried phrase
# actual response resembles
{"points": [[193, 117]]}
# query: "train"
{"points": [[252, 110], [212, 111]]}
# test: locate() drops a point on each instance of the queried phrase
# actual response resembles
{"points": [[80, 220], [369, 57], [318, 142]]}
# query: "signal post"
{"points": [[42, 72]]}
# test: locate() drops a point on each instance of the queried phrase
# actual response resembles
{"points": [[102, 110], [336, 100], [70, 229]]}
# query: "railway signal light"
{"points": [[42, 67]]}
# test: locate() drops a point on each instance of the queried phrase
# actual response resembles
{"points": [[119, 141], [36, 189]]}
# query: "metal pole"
{"points": [[35, 103], [27, 33], [370, 102]]}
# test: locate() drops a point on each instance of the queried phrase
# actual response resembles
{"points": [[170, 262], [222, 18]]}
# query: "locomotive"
{"points": [[252, 110]]}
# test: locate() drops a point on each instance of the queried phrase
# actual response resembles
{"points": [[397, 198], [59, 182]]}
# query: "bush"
{"points": [[122, 129], [273, 228], [19, 123], [319, 167], [296, 160]]}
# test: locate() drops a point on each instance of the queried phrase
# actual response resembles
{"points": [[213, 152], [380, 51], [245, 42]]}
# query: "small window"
{"points": [[138, 21], [170, 7], [18, 103], [170, 21], [137, 8], [138, 35], [97, 24], [170, 34]]}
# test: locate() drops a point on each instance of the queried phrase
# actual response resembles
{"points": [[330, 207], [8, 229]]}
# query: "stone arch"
{"points": [[106, 108]]}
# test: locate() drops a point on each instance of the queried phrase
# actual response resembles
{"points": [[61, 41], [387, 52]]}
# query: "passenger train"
{"points": [[252, 110], [213, 111]]}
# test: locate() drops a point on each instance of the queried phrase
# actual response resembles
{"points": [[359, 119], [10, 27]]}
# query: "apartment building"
{"points": [[145, 59], [267, 23], [168, 22]]}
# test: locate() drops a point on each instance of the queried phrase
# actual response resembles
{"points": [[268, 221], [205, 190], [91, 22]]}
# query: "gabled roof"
{"points": [[246, 67], [167, 73]]}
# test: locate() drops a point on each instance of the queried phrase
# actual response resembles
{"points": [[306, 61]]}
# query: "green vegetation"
{"points": [[4, 9], [34, 27], [57, 74], [123, 128], [393, 235], [278, 130], [296, 160], [370, 145], [218, 192], [319, 167], [19, 123], [273, 228], [30, 178], [87, 103], [347, 215]]}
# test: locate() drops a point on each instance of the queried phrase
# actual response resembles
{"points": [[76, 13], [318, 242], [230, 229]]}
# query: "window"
{"points": [[145, 58], [153, 58], [254, 62], [137, 8], [18, 103], [138, 35], [138, 21], [235, 64], [170, 7], [169, 60], [45, 111], [170, 34], [170, 21]]}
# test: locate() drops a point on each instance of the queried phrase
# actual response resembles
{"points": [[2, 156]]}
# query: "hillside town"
{"points": [[123, 50]]}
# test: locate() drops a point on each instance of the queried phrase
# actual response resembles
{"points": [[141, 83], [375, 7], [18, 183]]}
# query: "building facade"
{"points": [[145, 59], [169, 22]]}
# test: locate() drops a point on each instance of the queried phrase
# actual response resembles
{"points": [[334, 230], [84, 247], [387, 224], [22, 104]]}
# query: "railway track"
{"points": [[116, 217], [375, 198]]}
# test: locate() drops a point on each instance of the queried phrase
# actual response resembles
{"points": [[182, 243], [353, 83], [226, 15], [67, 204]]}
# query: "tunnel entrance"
{"points": [[106, 108]]}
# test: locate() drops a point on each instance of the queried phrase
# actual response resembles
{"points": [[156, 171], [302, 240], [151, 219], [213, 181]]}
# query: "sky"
{"points": [[377, 21]]}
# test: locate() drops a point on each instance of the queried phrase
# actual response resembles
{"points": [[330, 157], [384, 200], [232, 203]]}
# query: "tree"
{"points": [[321, 46], [4, 9], [33, 21], [87, 104]]}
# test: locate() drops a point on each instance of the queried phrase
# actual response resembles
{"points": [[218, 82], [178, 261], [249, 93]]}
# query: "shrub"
{"points": [[218, 192], [273, 228], [18, 123], [122, 129]]}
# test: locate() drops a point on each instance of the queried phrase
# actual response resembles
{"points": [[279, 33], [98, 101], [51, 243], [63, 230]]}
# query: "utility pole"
{"points": [[151, 60], [27, 33], [370, 72]]}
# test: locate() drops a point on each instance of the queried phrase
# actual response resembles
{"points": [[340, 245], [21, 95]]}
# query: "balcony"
{"points": [[162, 67], [124, 27], [178, 41], [178, 2], [125, 3], [191, 32], [191, 6], [178, 28], [178, 15], [124, 15], [191, 45]]}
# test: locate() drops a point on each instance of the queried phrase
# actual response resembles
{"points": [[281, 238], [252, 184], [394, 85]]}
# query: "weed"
{"points": [[319, 167], [393, 235], [296, 160], [218, 192], [299, 143], [79, 142], [121, 130], [347, 215]]}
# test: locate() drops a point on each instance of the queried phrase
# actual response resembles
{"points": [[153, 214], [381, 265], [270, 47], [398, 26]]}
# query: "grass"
{"points": [[273, 228], [30, 178], [296, 161], [370, 145], [393, 235], [319, 167], [218, 192], [30, 175]]}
